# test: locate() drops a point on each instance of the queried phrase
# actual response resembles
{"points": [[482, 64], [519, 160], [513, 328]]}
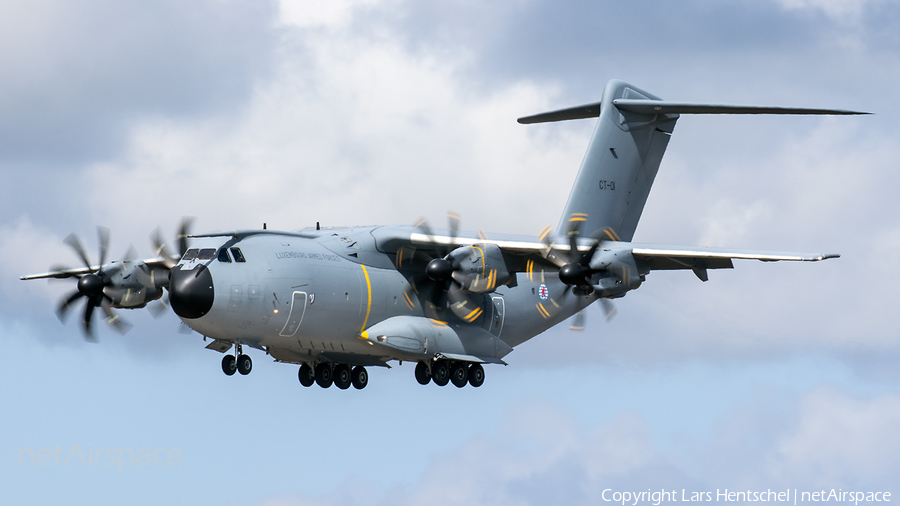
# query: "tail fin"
{"points": [[625, 152]]}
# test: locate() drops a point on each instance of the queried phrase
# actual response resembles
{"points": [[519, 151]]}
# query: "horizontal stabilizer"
{"points": [[666, 107], [578, 112]]}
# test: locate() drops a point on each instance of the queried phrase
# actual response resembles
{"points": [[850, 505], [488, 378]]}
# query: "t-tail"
{"points": [[624, 154]]}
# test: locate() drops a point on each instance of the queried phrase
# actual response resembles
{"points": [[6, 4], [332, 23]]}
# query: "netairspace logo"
{"points": [[790, 496], [107, 457]]}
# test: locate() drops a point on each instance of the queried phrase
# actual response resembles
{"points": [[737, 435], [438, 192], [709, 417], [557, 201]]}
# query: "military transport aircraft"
{"points": [[338, 300]]}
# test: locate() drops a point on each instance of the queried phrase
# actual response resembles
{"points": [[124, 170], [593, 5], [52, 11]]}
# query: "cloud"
{"points": [[76, 74], [840, 440], [825, 438]]}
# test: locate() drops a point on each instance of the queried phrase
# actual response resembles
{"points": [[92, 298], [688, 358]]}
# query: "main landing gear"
{"points": [[339, 375], [444, 371], [238, 362]]}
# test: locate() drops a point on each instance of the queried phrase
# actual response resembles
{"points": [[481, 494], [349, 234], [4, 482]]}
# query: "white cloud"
{"points": [[841, 441], [316, 13], [841, 10], [314, 144]]}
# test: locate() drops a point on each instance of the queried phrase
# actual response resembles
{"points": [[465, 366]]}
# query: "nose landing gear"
{"points": [[237, 363]]}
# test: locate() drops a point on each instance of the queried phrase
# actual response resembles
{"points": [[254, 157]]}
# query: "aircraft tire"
{"points": [[422, 374], [306, 375], [476, 375], [324, 375], [244, 364], [440, 372], [459, 374], [229, 365], [360, 377], [342, 376]]}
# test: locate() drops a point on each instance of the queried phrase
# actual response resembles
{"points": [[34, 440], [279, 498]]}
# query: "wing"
{"points": [[700, 259], [81, 271]]}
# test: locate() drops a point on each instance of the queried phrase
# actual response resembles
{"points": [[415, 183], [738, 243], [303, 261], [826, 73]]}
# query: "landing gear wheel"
{"points": [[422, 374], [244, 364], [342, 376], [228, 365], [459, 374], [476, 375], [440, 372], [324, 375], [359, 377], [306, 375]]}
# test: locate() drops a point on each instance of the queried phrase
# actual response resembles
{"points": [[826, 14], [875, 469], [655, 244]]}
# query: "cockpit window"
{"points": [[223, 255], [190, 254], [238, 256], [207, 254]]}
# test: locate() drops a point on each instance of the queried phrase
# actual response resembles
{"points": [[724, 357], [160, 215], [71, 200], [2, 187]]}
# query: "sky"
{"points": [[771, 376]]}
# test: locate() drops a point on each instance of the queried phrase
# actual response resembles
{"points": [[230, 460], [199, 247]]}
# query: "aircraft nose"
{"points": [[191, 292]]}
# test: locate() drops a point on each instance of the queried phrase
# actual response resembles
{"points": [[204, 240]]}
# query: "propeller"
{"points": [[575, 269], [609, 310], [441, 274], [161, 248], [92, 286]]}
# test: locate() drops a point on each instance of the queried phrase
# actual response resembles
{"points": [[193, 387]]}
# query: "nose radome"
{"points": [[191, 292]]}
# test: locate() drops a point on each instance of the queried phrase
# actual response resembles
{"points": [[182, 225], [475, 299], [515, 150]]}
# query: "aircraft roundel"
{"points": [[543, 292]]}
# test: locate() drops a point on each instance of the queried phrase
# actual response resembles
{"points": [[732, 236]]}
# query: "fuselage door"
{"points": [[298, 309], [499, 312]]}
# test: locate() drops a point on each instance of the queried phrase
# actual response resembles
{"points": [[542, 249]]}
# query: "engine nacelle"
{"points": [[617, 273], [479, 268], [135, 284]]}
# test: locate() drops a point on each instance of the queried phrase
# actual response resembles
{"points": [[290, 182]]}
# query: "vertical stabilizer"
{"points": [[623, 157], [619, 167]]}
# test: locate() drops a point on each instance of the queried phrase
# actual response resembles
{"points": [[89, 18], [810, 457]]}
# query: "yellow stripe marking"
{"points": [[409, 302], [482, 259], [544, 233], [543, 311], [369, 301], [473, 315], [578, 217]]}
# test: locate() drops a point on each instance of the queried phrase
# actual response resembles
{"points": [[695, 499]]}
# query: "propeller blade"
{"points": [[183, 232], [609, 309], [422, 225], [454, 218], [467, 306], [159, 307], [86, 322], [577, 324], [72, 240], [574, 230], [103, 236], [59, 271], [113, 319], [63, 310]]}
